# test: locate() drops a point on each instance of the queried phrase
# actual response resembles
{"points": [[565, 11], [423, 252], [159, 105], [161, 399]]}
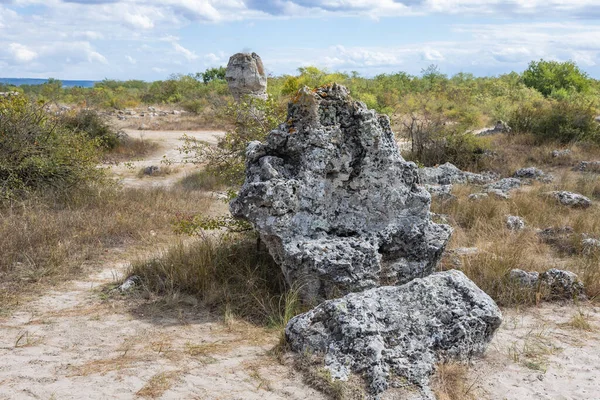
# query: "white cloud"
{"points": [[190, 55], [22, 54], [131, 59]]}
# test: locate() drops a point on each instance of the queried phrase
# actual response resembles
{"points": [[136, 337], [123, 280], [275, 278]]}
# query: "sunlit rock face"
{"points": [[336, 204], [246, 76]]}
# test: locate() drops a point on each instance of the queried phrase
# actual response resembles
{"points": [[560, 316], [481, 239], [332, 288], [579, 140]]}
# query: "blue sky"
{"points": [[151, 39]]}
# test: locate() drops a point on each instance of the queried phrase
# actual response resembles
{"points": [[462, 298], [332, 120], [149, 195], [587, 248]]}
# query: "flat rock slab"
{"points": [[396, 334]]}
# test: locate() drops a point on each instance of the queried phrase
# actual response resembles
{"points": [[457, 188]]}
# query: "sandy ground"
{"points": [[84, 341], [538, 354], [169, 142]]}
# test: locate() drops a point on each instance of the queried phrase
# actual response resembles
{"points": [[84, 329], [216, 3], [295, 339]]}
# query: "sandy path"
{"points": [[169, 142], [537, 355], [75, 343]]}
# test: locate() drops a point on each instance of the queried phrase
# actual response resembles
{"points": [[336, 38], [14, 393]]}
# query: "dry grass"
{"points": [[581, 321], [450, 382], [229, 274], [130, 148], [481, 224], [48, 240], [320, 379], [203, 181], [158, 384]]}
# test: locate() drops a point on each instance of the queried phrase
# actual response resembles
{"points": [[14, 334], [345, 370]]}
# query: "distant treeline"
{"points": [[463, 97]]}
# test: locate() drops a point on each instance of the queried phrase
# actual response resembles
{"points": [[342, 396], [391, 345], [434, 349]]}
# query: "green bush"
{"points": [[550, 77], [563, 121], [93, 125], [38, 152]]}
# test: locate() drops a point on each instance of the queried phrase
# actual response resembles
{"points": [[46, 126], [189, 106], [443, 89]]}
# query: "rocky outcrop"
{"points": [[554, 284], [448, 173], [571, 199], [441, 192], [337, 206], [561, 153], [500, 127], [246, 76], [503, 187], [533, 174], [393, 333], [588, 166], [515, 223]]}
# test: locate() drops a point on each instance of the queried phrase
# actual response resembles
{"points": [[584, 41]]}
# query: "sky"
{"points": [[152, 39]]}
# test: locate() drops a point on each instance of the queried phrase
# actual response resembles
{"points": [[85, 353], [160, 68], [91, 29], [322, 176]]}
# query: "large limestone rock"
{"points": [[396, 333], [246, 75], [337, 206]]}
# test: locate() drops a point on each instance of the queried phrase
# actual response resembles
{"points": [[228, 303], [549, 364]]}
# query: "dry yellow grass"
{"points": [[482, 224], [158, 384], [450, 382], [48, 240]]}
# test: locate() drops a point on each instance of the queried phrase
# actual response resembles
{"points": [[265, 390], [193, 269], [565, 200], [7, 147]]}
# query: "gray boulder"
{"points": [[560, 284], [554, 284], [504, 186], [442, 192], [515, 223], [561, 153], [151, 170], [534, 174], [524, 278], [571, 199], [448, 173], [337, 206], [246, 76], [588, 166], [392, 333]]}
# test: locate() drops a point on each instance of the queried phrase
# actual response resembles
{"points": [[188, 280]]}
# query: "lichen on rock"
{"points": [[334, 201], [398, 331]]}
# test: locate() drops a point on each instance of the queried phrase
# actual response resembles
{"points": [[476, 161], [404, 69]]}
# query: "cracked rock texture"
{"points": [[448, 173], [395, 333], [571, 199], [337, 206], [246, 76]]}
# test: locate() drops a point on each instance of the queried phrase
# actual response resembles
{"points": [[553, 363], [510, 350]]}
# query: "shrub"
{"points": [[562, 121], [550, 76], [252, 119], [93, 125], [38, 152]]}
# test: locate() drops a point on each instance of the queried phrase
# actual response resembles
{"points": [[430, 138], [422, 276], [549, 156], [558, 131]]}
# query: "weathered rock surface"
{"points": [[561, 153], [500, 127], [554, 284], [442, 192], [503, 186], [246, 76], [533, 173], [571, 199], [515, 223], [448, 173], [151, 170], [337, 206], [398, 332], [588, 166]]}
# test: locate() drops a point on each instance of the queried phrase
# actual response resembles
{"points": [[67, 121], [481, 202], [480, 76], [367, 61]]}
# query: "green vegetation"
{"points": [[556, 79], [38, 152]]}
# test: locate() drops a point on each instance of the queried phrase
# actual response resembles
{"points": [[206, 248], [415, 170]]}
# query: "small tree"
{"points": [[552, 76], [253, 119]]}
